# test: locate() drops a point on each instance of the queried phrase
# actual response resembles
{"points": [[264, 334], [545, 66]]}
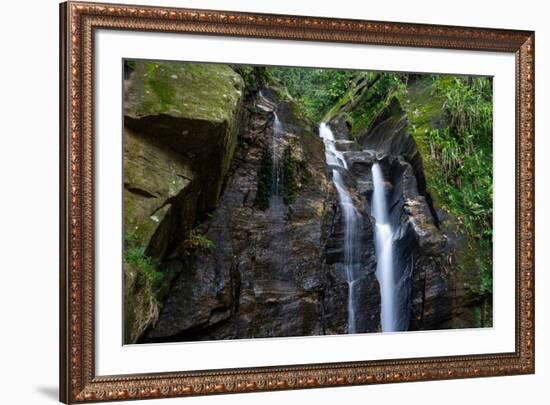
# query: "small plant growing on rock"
{"points": [[136, 257], [196, 241], [264, 183], [290, 186]]}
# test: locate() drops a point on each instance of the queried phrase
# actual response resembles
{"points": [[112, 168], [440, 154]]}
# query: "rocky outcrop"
{"points": [[389, 135], [154, 175], [264, 275], [155, 181], [419, 245], [191, 108], [242, 234], [180, 132], [420, 248], [365, 288], [141, 307], [355, 277]]}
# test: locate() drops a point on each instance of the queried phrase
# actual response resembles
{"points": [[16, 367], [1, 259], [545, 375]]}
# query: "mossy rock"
{"points": [[425, 111], [141, 308], [208, 92], [153, 176], [194, 109]]}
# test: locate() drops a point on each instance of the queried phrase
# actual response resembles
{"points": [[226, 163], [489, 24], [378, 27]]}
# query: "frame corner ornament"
{"points": [[78, 22]]}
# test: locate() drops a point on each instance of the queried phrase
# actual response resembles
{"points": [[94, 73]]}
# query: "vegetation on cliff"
{"points": [[183, 123], [323, 93], [191, 90], [317, 90], [451, 121], [263, 191], [450, 118], [180, 132]]}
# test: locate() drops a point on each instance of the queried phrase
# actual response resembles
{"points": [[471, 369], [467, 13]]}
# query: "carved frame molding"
{"points": [[78, 381]]}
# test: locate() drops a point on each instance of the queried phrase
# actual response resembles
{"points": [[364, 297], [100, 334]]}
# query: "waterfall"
{"points": [[332, 155], [351, 216], [276, 140], [351, 223], [390, 308], [384, 252]]}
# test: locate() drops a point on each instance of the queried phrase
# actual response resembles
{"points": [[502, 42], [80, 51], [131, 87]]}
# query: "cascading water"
{"points": [[389, 311], [351, 223], [333, 156], [275, 161], [351, 219], [384, 251]]}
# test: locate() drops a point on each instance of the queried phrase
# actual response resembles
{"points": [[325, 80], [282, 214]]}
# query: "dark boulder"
{"points": [[264, 274]]}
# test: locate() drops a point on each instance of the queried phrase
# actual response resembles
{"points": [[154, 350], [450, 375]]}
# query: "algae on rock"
{"points": [[180, 132]]}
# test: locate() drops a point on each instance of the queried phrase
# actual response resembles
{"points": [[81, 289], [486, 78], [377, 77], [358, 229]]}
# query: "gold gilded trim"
{"points": [[79, 382]]}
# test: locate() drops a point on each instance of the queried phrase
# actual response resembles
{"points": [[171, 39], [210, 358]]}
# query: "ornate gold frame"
{"points": [[78, 381]]}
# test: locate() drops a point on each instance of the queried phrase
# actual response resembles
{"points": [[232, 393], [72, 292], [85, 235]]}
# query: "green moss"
{"points": [[424, 108], [141, 306], [134, 223], [196, 241], [164, 90], [136, 257], [263, 192], [450, 119], [343, 101], [368, 94], [189, 90], [290, 184], [371, 102]]}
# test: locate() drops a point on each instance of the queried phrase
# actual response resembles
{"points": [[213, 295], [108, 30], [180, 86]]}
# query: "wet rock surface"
{"points": [[180, 131], [264, 275], [419, 244], [271, 260]]}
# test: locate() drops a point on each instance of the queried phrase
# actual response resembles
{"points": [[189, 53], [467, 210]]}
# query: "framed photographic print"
{"points": [[257, 202]]}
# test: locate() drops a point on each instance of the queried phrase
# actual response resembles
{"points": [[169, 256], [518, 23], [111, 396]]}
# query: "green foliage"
{"points": [[264, 182], [477, 317], [290, 184], [451, 122], [131, 64], [254, 78], [316, 90], [463, 152], [136, 257], [323, 92], [134, 254], [196, 240], [380, 89], [461, 157], [466, 181]]}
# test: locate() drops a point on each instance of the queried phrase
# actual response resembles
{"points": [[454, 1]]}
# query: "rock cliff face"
{"points": [[265, 274], [233, 227], [428, 241], [180, 127], [419, 245]]}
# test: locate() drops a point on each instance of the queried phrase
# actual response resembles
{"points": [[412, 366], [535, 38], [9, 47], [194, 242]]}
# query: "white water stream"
{"points": [[352, 223], [351, 219], [384, 251], [276, 155]]}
